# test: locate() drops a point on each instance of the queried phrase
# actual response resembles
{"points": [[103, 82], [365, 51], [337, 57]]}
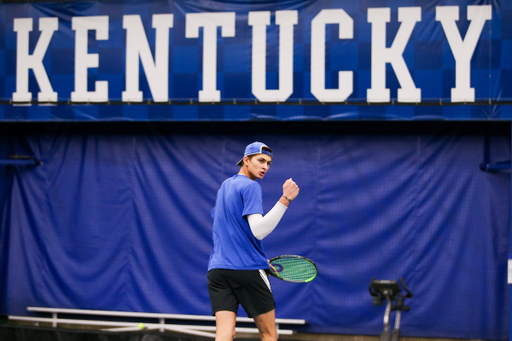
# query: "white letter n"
{"points": [[157, 71]]}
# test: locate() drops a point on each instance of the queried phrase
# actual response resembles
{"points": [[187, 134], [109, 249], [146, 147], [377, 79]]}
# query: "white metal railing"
{"points": [[199, 330]]}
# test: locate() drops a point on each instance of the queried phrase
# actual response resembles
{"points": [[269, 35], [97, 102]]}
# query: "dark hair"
{"points": [[253, 155]]}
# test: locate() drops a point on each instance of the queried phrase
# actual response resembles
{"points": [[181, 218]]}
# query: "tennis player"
{"points": [[236, 270]]}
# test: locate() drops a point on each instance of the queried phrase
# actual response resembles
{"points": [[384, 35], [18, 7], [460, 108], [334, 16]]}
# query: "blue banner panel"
{"points": [[288, 59], [121, 221]]}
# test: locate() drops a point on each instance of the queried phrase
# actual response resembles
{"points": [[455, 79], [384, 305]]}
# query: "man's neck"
{"points": [[245, 171]]}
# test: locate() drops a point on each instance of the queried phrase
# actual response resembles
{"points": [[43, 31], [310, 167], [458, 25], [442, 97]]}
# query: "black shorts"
{"points": [[250, 288]]}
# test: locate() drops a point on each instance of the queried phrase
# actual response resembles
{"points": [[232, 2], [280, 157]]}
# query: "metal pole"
{"points": [[385, 336]]}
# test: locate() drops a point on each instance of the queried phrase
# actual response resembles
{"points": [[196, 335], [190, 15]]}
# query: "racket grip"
{"points": [[270, 273]]}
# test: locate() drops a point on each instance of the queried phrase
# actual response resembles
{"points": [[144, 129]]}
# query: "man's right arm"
{"points": [[262, 226]]}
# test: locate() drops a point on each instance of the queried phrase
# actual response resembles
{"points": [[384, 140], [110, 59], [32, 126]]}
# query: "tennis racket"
{"points": [[295, 269]]}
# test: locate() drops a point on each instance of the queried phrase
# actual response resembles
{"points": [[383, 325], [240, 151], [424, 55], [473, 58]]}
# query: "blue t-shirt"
{"points": [[234, 245]]}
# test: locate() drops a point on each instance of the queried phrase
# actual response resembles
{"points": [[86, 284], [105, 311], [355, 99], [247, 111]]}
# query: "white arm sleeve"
{"points": [[261, 226]]}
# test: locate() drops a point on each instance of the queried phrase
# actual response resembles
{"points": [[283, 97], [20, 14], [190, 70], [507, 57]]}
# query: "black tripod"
{"points": [[390, 290]]}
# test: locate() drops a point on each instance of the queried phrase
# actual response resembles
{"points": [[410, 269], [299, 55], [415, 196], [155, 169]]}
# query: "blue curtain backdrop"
{"points": [[120, 220]]}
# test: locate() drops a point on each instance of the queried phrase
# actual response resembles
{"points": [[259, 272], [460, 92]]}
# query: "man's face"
{"points": [[258, 165]]}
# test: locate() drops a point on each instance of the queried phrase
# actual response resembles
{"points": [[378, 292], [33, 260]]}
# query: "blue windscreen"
{"points": [[119, 219]]}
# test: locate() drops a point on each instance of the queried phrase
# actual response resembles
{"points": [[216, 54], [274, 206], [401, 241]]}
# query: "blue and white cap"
{"points": [[255, 148]]}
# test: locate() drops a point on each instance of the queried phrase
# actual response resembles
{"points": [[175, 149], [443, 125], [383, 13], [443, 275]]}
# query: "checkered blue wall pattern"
{"points": [[432, 63]]}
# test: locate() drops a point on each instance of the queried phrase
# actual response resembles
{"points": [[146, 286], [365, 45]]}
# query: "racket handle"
{"points": [[270, 273]]}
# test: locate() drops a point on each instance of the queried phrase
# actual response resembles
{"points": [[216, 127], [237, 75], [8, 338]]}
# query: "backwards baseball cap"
{"points": [[255, 148]]}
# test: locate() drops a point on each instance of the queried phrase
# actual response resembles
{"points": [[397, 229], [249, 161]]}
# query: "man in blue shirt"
{"points": [[236, 270]]}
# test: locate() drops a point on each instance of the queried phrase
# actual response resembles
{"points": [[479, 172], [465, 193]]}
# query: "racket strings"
{"points": [[296, 269]]}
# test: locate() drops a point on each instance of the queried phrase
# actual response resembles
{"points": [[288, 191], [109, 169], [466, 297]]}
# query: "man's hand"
{"points": [[290, 189], [271, 267], [290, 192]]}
